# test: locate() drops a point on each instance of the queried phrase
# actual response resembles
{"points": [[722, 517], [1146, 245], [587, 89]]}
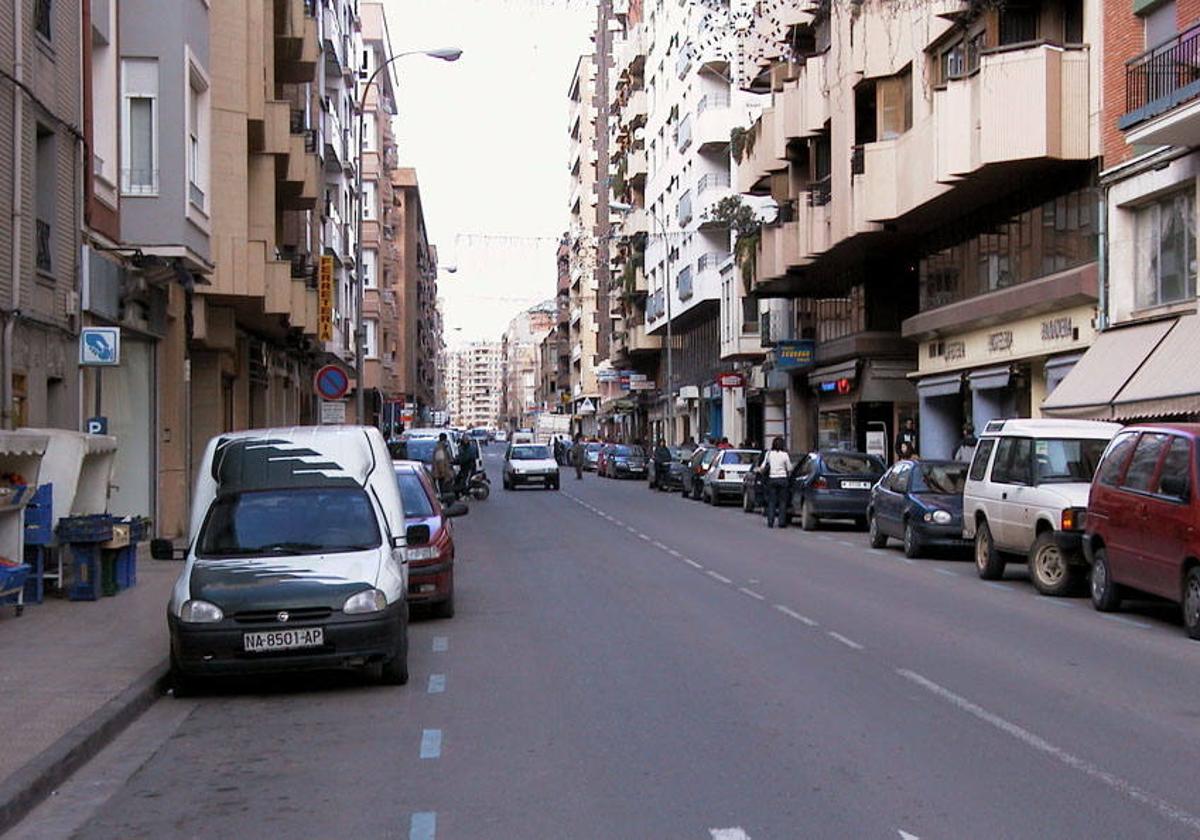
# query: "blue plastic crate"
{"points": [[12, 584], [85, 572], [127, 566], [94, 528], [39, 517]]}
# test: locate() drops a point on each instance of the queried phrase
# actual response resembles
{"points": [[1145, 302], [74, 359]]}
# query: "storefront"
{"points": [[995, 372], [860, 403]]}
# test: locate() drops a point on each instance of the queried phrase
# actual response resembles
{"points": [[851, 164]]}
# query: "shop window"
{"points": [[1165, 256]]}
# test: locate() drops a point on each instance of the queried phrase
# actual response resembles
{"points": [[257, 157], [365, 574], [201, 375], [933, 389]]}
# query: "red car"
{"points": [[430, 562], [1142, 519]]}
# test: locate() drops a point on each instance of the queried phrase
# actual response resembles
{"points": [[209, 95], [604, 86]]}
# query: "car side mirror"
{"points": [[456, 509], [161, 549], [416, 535]]}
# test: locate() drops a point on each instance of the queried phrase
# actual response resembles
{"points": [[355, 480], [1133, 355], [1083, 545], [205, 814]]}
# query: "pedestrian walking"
{"points": [[777, 467], [966, 447], [578, 455], [724, 444], [443, 470]]}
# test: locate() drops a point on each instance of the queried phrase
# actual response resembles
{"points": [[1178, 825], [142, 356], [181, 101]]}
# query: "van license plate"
{"points": [[856, 485], [303, 637]]}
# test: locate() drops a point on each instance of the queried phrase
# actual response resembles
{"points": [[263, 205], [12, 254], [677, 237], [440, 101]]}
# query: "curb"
{"points": [[22, 791]]}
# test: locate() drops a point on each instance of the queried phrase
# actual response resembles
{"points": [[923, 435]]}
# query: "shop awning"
{"points": [[943, 385], [22, 444], [832, 373], [1057, 369], [1168, 383], [990, 379], [1095, 381]]}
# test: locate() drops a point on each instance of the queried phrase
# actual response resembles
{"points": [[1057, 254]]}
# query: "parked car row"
{"points": [[1086, 505]]}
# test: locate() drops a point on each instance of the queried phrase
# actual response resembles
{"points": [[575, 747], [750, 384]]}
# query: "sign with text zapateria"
{"points": [[325, 300], [795, 355]]}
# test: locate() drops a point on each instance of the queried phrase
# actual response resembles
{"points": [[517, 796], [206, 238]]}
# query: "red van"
{"points": [[1142, 519]]}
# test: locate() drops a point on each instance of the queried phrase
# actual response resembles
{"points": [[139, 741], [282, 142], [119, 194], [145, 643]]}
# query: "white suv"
{"points": [[1026, 494]]}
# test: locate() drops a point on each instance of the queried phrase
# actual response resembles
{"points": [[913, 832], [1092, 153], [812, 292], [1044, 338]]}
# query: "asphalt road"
{"points": [[628, 664]]}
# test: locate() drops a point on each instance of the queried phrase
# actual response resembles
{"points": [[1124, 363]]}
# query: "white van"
{"points": [[1026, 494], [296, 557]]}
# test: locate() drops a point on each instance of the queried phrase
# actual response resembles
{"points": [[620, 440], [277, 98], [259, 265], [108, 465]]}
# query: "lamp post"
{"points": [[624, 209], [360, 333]]}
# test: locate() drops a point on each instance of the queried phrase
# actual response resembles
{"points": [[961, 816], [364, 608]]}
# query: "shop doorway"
{"points": [[128, 403]]}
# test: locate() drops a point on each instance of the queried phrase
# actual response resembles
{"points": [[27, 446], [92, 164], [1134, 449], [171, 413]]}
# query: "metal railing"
{"points": [[711, 260], [195, 196], [712, 181], [713, 99], [139, 181], [820, 192], [1169, 71]]}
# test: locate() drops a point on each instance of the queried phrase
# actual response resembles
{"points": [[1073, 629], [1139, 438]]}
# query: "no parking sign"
{"points": [[331, 382]]}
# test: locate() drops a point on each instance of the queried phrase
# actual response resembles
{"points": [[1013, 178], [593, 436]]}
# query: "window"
{"points": [[369, 131], [289, 521], [197, 136], [369, 211], [370, 268], [371, 345], [42, 14], [1165, 250], [1012, 461], [1061, 461], [1159, 24], [1145, 460], [1018, 22], [894, 104], [1116, 458], [1176, 478], [749, 314], [982, 452], [139, 126], [45, 192]]}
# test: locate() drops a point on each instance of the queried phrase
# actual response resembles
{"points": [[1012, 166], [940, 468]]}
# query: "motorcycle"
{"points": [[479, 486]]}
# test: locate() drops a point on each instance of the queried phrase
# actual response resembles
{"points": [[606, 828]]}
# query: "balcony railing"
{"points": [[1162, 77], [713, 99], [42, 260], [712, 181], [711, 261], [139, 181], [820, 192]]}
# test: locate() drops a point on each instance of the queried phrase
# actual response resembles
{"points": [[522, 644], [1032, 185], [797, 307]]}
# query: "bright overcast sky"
{"points": [[488, 136]]}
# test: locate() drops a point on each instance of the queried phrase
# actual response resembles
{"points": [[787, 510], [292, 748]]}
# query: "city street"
{"points": [[628, 664]]}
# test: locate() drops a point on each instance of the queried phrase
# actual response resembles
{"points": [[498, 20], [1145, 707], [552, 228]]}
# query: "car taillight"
{"points": [[820, 483]]}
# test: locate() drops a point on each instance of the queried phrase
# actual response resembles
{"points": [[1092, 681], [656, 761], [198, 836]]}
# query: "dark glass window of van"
{"points": [[307, 520], [1176, 479], [1145, 459], [1115, 458], [982, 452]]}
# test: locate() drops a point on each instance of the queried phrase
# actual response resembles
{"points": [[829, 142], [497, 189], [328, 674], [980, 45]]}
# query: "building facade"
{"points": [[586, 273], [520, 351], [1140, 365], [473, 384]]}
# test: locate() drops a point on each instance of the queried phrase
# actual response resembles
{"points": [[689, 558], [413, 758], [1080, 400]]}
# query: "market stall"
{"points": [[21, 456]]}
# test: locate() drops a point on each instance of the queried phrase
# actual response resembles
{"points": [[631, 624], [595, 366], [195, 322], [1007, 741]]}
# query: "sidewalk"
{"points": [[72, 674]]}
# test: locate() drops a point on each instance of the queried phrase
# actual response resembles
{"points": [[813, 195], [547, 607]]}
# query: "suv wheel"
{"points": [[1106, 595], [988, 562], [1191, 602], [877, 537], [1048, 567]]}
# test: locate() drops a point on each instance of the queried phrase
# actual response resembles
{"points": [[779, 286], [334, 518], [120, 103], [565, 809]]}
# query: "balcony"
{"points": [[334, 137], [711, 188], [635, 109], [301, 183], [639, 342], [797, 240], [762, 153], [637, 168], [296, 46], [336, 54], [714, 120], [1025, 104], [1162, 93]]}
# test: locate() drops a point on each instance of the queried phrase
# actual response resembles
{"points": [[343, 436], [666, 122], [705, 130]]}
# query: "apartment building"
{"points": [[418, 326], [41, 167], [692, 110], [473, 384], [1140, 367], [934, 166], [520, 352], [586, 273]]}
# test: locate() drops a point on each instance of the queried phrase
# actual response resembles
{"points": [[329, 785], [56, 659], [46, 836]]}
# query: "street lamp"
{"points": [[360, 333], [624, 209]]}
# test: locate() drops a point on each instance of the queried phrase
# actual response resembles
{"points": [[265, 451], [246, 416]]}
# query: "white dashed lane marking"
{"points": [[441, 644], [423, 826], [850, 643], [790, 613], [437, 683], [949, 572], [431, 743], [752, 593], [691, 563], [716, 576]]}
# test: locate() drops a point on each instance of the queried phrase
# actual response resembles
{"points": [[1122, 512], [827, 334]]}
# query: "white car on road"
{"points": [[530, 463]]}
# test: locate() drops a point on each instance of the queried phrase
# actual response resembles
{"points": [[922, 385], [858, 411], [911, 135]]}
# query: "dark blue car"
{"points": [[919, 503], [832, 484]]}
